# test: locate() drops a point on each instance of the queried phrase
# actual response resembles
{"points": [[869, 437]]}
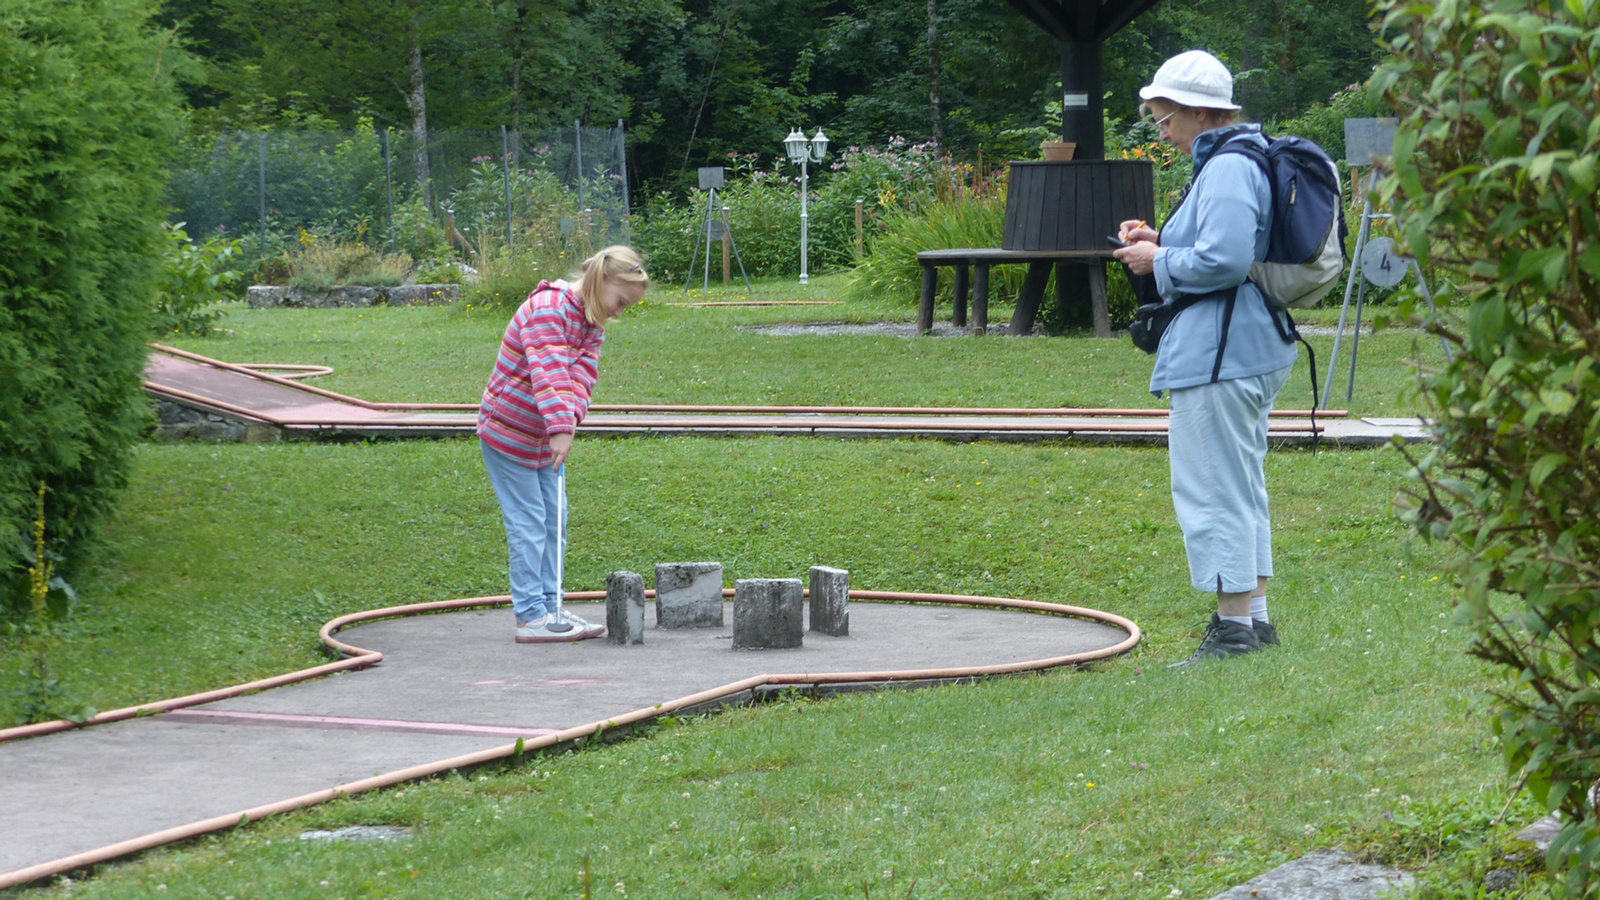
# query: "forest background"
{"points": [[696, 80], [703, 82]]}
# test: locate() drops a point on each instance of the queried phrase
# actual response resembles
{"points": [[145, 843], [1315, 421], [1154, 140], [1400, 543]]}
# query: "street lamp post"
{"points": [[805, 151]]}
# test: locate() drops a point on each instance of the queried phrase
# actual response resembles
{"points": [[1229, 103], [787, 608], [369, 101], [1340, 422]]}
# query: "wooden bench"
{"points": [[1079, 273]]}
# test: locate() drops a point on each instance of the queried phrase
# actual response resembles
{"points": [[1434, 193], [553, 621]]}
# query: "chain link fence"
{"points": [[474, 191]]}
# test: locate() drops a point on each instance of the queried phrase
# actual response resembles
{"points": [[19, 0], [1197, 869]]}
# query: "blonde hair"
{"points": [[617, 262]]}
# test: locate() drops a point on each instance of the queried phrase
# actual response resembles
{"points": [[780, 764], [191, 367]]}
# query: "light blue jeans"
{"points": [[1217, 442], [533, 505]]}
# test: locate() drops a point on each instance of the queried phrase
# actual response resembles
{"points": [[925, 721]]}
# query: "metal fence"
{"points": [[386, 189]]}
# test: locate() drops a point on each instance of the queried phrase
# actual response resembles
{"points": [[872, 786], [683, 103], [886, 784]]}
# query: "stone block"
{"points": [[625, 608], [423, 294], [830, 601], [689, 595], [767, 613], [1324, 875]]}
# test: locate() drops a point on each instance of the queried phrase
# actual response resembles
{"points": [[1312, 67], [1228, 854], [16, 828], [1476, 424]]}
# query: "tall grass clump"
{"points": [[88, 115]]}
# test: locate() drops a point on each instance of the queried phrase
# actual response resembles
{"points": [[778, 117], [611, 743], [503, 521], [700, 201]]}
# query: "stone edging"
{"points": [[272, 296]]}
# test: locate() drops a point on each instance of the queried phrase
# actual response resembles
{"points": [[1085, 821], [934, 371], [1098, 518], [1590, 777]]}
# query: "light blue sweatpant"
{"points": [[1217, 438], [533, 505]]}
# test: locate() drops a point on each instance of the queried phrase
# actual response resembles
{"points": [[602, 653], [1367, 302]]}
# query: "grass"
{"points": [[664, 354], [1121, 781]]}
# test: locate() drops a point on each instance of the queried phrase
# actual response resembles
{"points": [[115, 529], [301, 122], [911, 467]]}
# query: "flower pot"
{"points": [[1057, 151]]}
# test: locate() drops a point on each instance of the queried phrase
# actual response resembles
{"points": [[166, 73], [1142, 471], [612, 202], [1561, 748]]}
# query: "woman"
{"points": [[1223, 363]]}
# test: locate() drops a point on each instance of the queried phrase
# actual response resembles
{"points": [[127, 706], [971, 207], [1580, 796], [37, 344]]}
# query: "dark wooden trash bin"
{"points": [[1075, 204]]}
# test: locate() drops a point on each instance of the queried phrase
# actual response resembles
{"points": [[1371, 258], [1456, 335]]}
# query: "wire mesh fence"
{"points": [[473, 190]]}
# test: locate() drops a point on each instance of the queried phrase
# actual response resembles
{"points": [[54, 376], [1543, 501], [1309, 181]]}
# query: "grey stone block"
{"points": [[264, 296], [1541, 833], [830, 601], [270, 296], [689, 595], [423, 294], [767, 613], [1323, 875], [625, 608]]}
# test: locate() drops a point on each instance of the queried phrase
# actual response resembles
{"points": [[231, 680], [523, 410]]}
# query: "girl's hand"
{"points": [[560, 447], [1140, 257]]}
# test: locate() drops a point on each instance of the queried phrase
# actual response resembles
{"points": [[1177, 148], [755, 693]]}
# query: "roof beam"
{"points": [[1050, 15], [1113, 19]]}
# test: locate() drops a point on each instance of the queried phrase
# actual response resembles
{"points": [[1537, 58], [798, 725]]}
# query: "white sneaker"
{"points": [[586, 629], [546, 630]]}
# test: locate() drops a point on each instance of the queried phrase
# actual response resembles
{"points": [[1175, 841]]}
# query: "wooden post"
{"points": [[930, 286], [980, 300], [859, 221], [960, 319]]}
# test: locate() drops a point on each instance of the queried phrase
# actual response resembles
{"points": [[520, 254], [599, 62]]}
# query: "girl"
{"points": [[538, 393]]}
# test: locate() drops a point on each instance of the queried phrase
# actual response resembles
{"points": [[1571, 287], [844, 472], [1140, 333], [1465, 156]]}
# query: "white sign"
{"points": [[1075, 100]]}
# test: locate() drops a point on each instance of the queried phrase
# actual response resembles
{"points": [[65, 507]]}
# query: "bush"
{"points": [[194, 279], [88, 117], [1494, 188], [321, 265]]}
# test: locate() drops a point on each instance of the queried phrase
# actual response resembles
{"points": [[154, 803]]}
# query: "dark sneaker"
{"points": [[1222, 638], [545, 630], [1266, 632]]}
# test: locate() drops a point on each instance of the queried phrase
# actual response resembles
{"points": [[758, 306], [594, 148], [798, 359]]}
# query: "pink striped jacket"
{"points": [[542, 381]]}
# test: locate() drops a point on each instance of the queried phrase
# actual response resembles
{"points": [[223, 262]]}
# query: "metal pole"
{"points": [[1344, 312], [622, 164], [805, 224], [261, 192], [505, 164], [711, 205], [577, 139], [388, 185]]}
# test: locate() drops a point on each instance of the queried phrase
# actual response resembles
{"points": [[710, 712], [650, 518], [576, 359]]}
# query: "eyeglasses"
{"points": [[1163, 120]]}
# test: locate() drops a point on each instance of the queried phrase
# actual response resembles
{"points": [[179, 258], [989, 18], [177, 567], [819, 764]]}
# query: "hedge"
{"points": [[88, 114]]}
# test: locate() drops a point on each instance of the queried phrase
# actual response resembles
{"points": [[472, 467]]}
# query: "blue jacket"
{"points": [[1207, 245]]}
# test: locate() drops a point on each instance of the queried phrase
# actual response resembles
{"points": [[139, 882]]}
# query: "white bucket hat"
{"points": [[1192, 78]]}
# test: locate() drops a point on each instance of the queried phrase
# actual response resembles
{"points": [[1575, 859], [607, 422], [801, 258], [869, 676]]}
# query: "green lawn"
{"points": [[1122, 781], [660, 353]]}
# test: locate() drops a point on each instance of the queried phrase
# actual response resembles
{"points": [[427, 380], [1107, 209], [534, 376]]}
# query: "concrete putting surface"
{"points": [[451, 684]]}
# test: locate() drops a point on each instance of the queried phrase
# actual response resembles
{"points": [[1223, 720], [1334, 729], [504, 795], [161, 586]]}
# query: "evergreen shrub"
{"points": [[1494, 190], [87, 116]]}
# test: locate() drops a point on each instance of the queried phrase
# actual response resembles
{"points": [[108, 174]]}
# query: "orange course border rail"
{"points": [[355, 657]]}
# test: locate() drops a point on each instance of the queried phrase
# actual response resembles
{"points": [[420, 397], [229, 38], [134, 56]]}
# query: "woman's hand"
{"points": [[560, 447], [1140, 257], [1135, 230]]}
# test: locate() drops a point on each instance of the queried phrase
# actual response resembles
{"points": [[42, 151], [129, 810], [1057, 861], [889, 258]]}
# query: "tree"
{"points": [[88, 114], [1494, 184]]}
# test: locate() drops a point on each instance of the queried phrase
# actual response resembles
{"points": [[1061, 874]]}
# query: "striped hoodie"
{"points": [[543, 379]]}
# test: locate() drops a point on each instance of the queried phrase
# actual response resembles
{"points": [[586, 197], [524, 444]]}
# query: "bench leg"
{"points": [[930, 286], [961, 295], [980, 300], [1097, 299], [1028, 300]]}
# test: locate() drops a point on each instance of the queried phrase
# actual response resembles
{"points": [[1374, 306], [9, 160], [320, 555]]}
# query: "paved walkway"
{"points": [[453, 690], [249, 398]]}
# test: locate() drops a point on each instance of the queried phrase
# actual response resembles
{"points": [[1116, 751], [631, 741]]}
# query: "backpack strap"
{"points": [[1291, 333]]}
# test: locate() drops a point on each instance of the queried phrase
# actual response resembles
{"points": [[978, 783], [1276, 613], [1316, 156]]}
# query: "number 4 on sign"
{"points": [[1382, 266]]}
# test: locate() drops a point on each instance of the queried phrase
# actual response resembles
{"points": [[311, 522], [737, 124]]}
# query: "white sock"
{"points": [[1258, 608], [1241, 620]]}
